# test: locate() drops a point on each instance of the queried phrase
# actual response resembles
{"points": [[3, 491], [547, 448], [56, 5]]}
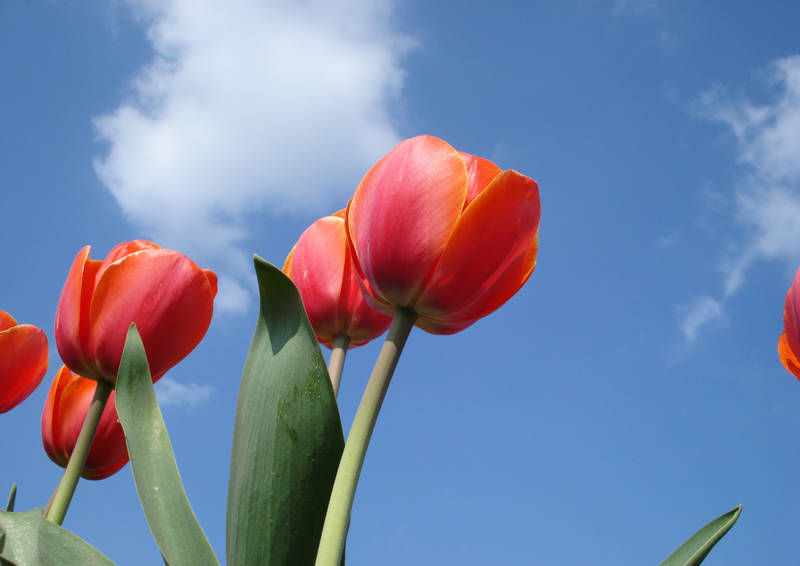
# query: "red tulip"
{"points": [[444, 233], [164, 292], [23, 360], [321, 267], [789, 342], [64, 413]]}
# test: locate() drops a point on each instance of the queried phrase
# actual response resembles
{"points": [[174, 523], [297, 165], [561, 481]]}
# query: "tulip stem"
{"points": [[69, 481], [336, 362], [337, 519]]}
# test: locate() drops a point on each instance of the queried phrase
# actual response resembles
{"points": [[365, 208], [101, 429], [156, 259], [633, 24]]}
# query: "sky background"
{"points": [[628, 394]]}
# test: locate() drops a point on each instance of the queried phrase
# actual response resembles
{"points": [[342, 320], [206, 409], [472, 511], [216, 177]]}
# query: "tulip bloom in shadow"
{"points": [[23, 360], [64, 412], [789, 341], [322, 269], [164, 292], [439, 239]]}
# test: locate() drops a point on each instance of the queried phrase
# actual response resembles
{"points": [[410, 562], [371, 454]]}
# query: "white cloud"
{"points": [[171, 392], [767, 200], [701, 312], [246, 104]]}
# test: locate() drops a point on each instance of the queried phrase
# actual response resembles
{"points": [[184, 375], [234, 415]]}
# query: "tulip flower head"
{"points": [[23, 360], [444, 233], [789, 341], [164, 292], [64, 412], [321, 268]]}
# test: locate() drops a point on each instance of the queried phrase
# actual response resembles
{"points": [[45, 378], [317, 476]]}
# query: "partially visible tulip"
{"points": [[23, 360], [64, 412], [446, 234], [789, 341], [321, 267], [165, 293]]}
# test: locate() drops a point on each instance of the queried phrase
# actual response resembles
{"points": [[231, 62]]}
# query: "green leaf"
{"points": [[12, 498], [30, 540], [694, 551], [287, 437], [155, 472]]}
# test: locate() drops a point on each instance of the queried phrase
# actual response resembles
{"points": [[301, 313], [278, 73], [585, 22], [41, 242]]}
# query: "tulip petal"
{"points": [[168, 297], [480, 172], [121, 250], [788, 359], [403, 213], [320, 256], [6, 321], [791, 315], [490, 254], [23, 363], [72, 315]]}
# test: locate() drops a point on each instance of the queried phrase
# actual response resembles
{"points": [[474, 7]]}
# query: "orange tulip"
{"points": [[789, 341], [23, 360], [447, 234], [164, 292], [321, 267], [64, 412]]}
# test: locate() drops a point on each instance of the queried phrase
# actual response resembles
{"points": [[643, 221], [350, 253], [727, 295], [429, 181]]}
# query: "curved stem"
{"points": [[69, 481], [336, 362], [337, 519]]}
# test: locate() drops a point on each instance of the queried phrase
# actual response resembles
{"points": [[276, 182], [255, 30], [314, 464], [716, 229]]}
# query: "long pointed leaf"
{"points": [[30, 540], [12, 497], [287, 438], [155, 472], [693, 551]]}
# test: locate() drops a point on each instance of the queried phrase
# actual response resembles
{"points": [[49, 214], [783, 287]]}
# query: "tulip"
{"points": [[64, 412], [164, 292], [23, 360], [789, 341], [321, 268], [445, 234]]}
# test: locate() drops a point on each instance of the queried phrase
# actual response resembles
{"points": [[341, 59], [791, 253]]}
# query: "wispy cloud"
{"points": [[767, 200], [248, 103], [171, 392], [699, 313]]}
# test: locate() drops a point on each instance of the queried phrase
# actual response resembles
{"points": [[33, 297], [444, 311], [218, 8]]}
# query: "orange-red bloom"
{"points": [[23, 360], [164, 292], [62, 419], [447, 234], [789, 341], [321, 267]]}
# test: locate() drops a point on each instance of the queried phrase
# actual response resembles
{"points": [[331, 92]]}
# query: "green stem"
{"points": [[337, 519], [69, 481], [336, 363]]}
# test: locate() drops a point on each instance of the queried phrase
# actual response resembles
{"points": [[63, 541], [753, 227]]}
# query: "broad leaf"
{"points": [[693, 551], [30, 540], [155, 472], [287, 437]]}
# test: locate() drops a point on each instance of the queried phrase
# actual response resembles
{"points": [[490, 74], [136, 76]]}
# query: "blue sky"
{"points": [[630, 392]]}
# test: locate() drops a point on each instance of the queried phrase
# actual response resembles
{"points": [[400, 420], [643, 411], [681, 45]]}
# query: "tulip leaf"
{"points": [[694, 551], [155, 472], [12, 497], [287, 438], [30, 540]]}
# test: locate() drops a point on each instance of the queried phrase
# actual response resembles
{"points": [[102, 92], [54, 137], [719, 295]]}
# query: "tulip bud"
{"points": [[321, 268], [64, 412], [446, 234], [23, 360], [164, 292]]}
